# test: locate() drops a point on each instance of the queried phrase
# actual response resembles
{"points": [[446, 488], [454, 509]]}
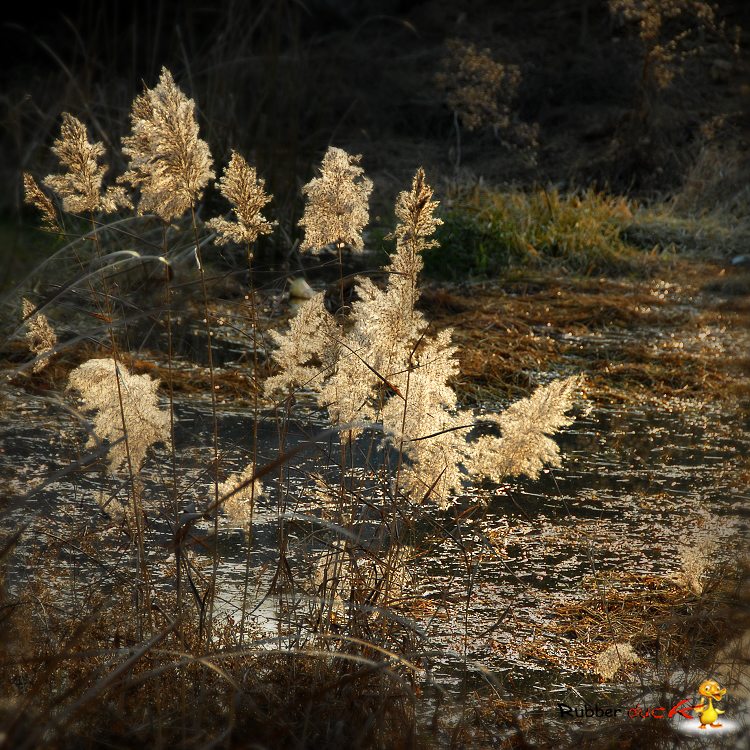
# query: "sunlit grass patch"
{"points": [[662, 228], [487, 230]]}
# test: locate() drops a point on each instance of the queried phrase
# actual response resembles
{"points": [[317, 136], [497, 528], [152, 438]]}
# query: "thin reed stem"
{"points": [[256, 389], [215, 421]]}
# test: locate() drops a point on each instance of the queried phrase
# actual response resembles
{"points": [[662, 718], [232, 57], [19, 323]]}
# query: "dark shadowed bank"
{"points": [[280, 80]]}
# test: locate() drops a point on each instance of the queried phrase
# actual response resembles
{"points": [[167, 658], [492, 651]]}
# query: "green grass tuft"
{"points": [[486, 231]]}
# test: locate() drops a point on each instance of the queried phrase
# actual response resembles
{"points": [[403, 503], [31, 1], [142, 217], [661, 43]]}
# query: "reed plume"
{"points": [[526, 446], [169, 163], [424, 426], [80, 185], [239, 507], [34, 196], [389, 317], [373, 350], [694, 564], [298, 357], [40, 336], [242, 187], [134, 401], [418, 410], [337, 203], [380, 365]]}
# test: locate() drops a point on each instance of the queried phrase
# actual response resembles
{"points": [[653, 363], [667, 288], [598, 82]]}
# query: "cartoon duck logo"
{"points": [[707, 714]]}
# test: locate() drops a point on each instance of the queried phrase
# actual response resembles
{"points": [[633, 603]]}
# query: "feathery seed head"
{"points": [[168, 162], [415, 211], [146, 424], [526, 446], [34, 196], [389, 317], [337, 203], [308, 341], [239, 506], [242, 187], [80, 185], [380, 365], [40, 336]]}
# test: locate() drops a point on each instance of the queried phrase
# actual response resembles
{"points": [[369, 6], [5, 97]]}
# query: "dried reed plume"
{"points": [[134, 400], [40, 336], [297, 356], [615, 657], [477, 88], [525, 446], [241, 186], [422, 422], [34, 196], [80, 185], [168, 162], [239, 506], [345, 367], [337, 203], [380, 366], [389, 318], [415, 210], [424, 426]]}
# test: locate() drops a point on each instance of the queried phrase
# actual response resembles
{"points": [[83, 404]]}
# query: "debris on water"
{"points": [[300, 289]]}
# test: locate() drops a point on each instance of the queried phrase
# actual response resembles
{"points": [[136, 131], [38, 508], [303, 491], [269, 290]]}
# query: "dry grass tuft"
{"points": [[476, 87], [618, 656], [578, 233]]}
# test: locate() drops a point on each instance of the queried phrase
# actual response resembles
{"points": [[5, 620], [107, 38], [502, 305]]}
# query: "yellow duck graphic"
{"points": [[708, 714]]}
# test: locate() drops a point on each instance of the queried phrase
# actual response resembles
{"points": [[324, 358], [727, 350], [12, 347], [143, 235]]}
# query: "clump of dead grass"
{"points": [[476, 87], [618, 656], [653, 614]]}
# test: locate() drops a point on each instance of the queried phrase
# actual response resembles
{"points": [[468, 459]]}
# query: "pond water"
{"points": [[639, 483]]}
